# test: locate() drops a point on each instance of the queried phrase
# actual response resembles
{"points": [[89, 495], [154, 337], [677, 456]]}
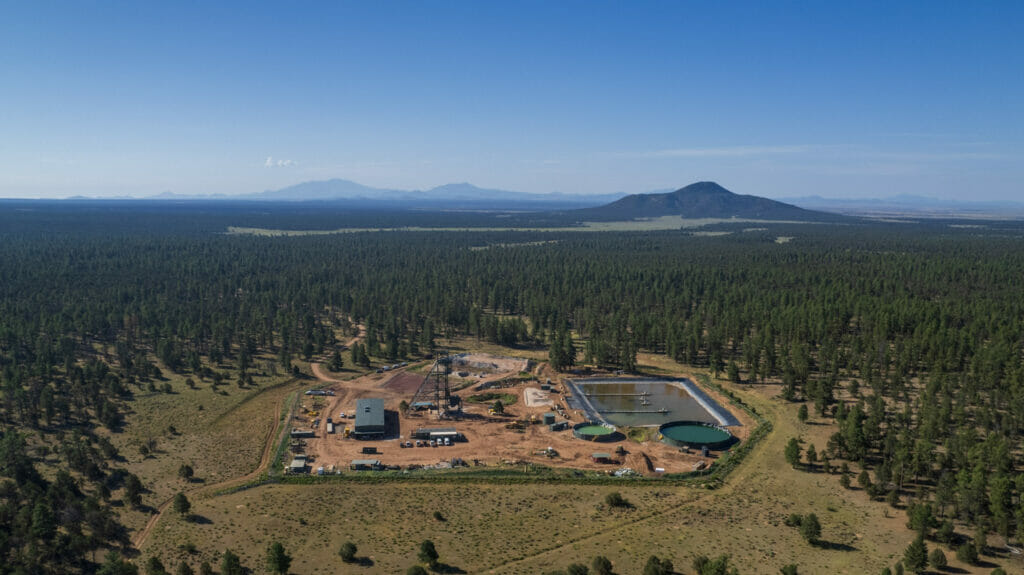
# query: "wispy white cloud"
{"points": [[272, 163]]}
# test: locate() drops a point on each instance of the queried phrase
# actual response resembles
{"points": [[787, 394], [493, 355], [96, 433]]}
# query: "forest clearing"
{"points": [[485, 438], [530, 528]]}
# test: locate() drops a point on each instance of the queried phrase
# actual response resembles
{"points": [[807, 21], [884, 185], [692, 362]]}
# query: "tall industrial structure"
{"points": [[435, 393]]}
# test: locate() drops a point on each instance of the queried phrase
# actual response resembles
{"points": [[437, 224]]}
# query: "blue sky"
{"points": [[768, 98]]}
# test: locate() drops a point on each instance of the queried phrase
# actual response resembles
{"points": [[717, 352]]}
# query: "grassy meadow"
{"points": [[638, 225], [221, 433]]}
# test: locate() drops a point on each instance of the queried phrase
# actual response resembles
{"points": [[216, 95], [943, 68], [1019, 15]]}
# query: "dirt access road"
{"points": [[270, 440]]}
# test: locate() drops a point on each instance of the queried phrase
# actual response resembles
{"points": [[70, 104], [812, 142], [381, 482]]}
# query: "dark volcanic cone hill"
{"points": [[702, 200]]}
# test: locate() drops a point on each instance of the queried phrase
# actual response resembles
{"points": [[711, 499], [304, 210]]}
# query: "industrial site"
{"points": [[482, 410]]}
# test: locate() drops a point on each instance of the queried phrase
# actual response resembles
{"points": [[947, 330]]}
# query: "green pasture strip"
{"points": [[639, 225]]}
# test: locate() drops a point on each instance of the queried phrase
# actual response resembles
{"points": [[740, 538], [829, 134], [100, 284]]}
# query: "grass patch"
{"points": [[485, 526], [276, 463], [220, 432], [641, 434], [638, 225]]}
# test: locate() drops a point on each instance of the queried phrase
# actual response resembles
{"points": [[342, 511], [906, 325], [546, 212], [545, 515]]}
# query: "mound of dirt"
{"points": [[404, 383], [639, 462]]}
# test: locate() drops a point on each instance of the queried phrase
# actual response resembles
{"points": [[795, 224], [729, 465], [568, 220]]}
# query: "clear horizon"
{"points": [[776, 100]]}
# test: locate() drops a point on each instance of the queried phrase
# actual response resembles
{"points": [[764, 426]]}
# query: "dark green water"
{"points": [[696, 434]]}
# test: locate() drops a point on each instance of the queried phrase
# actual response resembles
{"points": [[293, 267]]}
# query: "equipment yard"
{"points": [[535, 426]]}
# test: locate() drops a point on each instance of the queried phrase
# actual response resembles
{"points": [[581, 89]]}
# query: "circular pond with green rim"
{"points": [[591, 431], [696, 434]]}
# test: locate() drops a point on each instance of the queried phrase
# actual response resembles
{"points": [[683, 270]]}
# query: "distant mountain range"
{"points": [[448, 196], [701, 200]]}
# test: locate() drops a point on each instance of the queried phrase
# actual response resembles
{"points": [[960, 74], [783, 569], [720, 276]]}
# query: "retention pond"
{"points": [[635, 402]]}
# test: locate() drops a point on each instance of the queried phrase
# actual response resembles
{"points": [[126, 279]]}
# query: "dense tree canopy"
{"points": [[916, 327]]}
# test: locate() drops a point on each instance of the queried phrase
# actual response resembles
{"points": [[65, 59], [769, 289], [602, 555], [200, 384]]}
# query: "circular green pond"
{"points": [[695, 434], [592, 431]]}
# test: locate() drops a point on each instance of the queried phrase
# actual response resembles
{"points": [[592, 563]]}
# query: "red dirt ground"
{"points": [[487, 438], [404, 383]]}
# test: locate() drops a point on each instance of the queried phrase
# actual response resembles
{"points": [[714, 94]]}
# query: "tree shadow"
{"points": [[115, 479], [364, 562], [199, 519], [117, 427], [466, 416], [446, 568], [834, 546]]}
